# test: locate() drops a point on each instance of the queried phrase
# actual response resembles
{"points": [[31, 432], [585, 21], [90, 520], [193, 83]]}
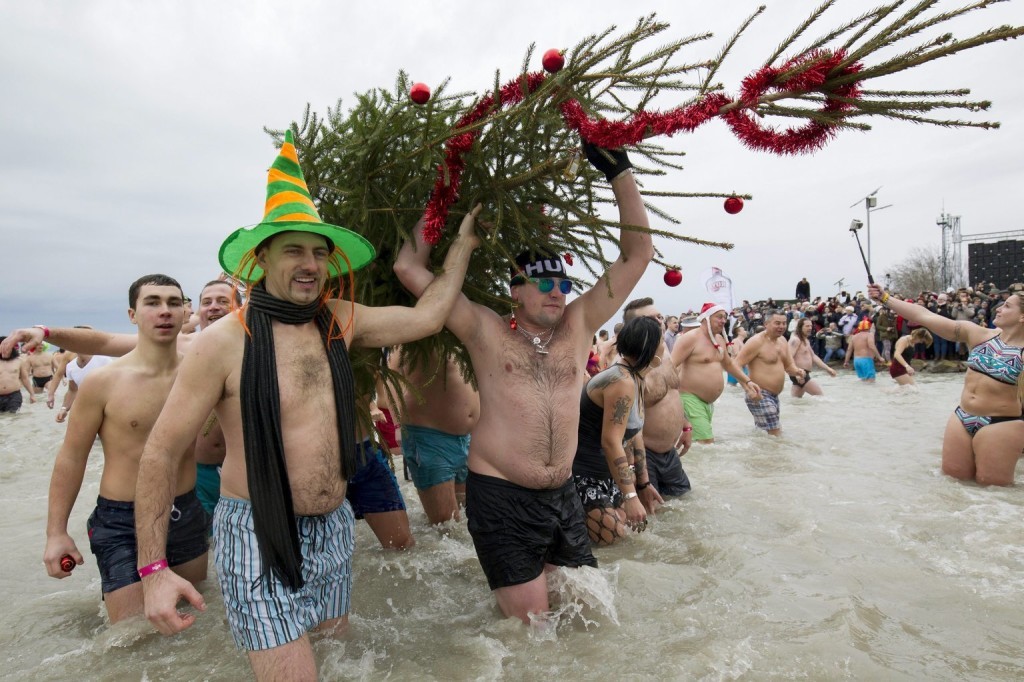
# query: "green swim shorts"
{"points": [[699, 413]]}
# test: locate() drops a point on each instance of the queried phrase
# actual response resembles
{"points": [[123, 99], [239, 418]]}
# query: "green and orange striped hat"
{"points": [[290, 208]]}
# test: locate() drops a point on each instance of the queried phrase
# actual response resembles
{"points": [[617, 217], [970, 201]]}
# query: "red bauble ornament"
{"points": [[553, 61], [568, 259], [419, 93], [673, 276], [733, 205], [67, 563]]}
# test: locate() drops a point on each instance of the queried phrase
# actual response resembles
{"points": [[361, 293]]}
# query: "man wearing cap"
{"points": [[864, 352], [767, 355], [699, 358], [530, 369], [278, 377]]}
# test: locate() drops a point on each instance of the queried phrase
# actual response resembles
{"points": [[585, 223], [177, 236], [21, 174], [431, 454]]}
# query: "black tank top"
{"points": [[590, 457]]}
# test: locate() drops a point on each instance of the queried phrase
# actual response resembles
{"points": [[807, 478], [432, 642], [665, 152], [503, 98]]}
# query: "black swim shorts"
{"points": [[517, 530], [798, 382], [10, 402], [112, 538], [665, 472]]}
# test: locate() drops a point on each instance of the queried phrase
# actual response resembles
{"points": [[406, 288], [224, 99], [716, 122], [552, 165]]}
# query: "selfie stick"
{"points": [[854, 227]]}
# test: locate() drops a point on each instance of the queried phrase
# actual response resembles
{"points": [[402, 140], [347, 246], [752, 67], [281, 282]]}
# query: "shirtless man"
{"points": [[216, 300], [667, 432], [699, 357], [805, 358], [530, 369], [191, 324], [278, 377], [119, 403], [13, 375], [864, 352], [606, 348], [441, 408], [40, 365], [767, 355]]}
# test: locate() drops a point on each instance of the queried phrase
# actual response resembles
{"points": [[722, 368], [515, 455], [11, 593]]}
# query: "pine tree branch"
{"points": [[705, 86], [799, 31]]}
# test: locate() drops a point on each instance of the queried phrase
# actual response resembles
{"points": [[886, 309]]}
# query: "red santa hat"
{"points": [[709, 309]]}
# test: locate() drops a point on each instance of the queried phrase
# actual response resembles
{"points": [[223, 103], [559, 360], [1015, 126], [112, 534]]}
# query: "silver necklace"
{"points": [[538, 345]]}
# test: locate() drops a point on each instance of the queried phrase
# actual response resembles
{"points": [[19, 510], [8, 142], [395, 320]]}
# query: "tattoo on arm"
{"points": [[624, 472], [639, 460], [622, 406]]}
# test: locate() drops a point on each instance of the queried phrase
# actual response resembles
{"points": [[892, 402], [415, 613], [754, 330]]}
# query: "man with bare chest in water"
{"points": [[521, 506]]}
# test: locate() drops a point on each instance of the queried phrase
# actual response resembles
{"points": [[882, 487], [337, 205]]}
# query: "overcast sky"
{"points": [[134, 141]]}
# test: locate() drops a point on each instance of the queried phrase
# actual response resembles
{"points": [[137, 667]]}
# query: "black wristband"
{"points": [[641, 486], [611, 162]]}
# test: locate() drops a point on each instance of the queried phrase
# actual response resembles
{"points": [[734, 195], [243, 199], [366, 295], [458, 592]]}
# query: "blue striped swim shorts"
{"points": [[261, 611]]}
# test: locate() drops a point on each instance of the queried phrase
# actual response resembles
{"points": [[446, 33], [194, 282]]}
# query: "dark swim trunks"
{"points": [[41, 382], [517, 530], [797, 382], [112, 538], [10, 402], [373, 489], [665, 472]]}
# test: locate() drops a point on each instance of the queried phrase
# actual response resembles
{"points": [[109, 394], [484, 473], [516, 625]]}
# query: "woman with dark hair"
{"points": [[610, 470], [900, 368], [985, 434]]}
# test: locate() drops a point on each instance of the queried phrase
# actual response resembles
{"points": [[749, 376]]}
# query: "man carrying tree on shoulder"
{"points": [[530, 368]]}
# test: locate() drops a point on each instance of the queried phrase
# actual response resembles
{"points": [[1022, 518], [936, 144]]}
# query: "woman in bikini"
{"points": [[985, 434], [609, 469]]}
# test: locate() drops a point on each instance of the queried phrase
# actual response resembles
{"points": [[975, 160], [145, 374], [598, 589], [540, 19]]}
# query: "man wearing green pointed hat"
{"points": [[283, 528]]}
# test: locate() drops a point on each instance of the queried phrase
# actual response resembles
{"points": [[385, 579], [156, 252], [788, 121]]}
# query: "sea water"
{"points": [[838, 551]]}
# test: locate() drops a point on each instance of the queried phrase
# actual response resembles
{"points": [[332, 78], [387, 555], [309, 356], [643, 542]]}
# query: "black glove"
{"points": [[611, 162]]}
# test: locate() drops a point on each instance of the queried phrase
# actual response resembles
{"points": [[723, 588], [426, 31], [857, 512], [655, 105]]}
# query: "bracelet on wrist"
{"points": [[46, 330], [885, 298], [642, 486], [629, 496], [150, 569]]}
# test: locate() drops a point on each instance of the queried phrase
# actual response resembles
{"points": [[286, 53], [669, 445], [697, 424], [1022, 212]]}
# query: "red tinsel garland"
{"points": [[643, 124]]}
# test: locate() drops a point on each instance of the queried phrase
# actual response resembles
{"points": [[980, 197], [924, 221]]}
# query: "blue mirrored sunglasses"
{"points": [[546, 284]]}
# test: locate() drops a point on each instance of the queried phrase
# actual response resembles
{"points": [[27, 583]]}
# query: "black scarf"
{"points": [[269, 489]]}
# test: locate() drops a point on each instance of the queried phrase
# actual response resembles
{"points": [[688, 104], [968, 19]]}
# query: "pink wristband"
{"points": [[152, 568], [687, 429]]}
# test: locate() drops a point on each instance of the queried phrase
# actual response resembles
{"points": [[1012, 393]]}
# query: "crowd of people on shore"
{"points": [[562, 444], [835, 319]]}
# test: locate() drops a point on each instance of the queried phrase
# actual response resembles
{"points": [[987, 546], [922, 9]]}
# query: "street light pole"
{"points": [[870, 206]]}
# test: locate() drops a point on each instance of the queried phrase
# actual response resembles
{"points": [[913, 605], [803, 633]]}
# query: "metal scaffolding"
{"points": [[954, 272]]}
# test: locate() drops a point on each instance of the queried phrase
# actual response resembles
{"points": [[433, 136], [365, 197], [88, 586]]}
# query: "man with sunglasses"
{"points": [[530, 367]]}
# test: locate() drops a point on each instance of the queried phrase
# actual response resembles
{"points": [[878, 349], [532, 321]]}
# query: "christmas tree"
{"points": [[381, 164]]}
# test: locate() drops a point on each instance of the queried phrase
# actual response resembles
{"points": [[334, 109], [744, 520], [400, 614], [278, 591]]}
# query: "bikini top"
{"points": [[997, 360]]}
